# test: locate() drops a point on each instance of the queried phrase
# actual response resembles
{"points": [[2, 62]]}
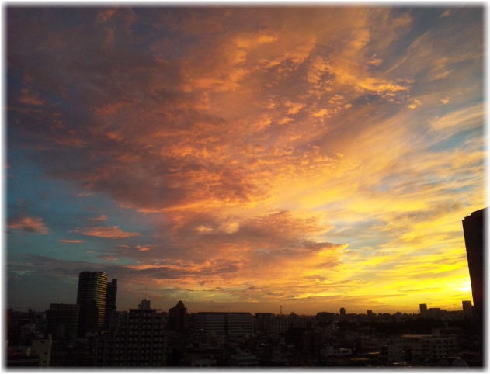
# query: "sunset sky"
{"points": [[240, 159]]}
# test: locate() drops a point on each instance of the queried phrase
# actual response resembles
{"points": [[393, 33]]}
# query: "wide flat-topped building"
{"points": [[230, 324]]}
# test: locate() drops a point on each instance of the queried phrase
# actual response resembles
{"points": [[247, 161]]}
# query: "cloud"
{"points": [[28, 224], [70, 241], [461, 119], [100, 218], [286, 150], [109, 232]]}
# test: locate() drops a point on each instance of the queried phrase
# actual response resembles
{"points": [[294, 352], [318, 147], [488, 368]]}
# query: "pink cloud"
{"points": [[100, 218], [70, 241], [110, 232], [28, 224]]}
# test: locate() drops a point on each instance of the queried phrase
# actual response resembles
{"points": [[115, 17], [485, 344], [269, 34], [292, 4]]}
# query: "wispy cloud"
{"points": [[109, 232], [320, 155]]}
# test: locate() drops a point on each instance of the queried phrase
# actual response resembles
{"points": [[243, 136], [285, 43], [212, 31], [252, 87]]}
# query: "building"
{"points": [[263, 322], [145, 304], [177, 317], [225, 324], [137, 340], [423, 308], [474, 228], [62, 321], [111, 299], [428, 347], [467, 308], [92, 293], [239, 324], [42, 348]]}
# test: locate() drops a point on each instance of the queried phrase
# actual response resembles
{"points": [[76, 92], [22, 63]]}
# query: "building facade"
{"points": [[91, 299], [474, 228], [137, 340], [62, 321]]}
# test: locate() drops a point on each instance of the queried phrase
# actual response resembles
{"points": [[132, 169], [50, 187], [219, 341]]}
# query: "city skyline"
{"points": [[243, 159]]}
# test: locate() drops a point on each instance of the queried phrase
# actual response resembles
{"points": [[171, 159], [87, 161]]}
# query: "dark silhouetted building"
{"points": [[62, 321], [92, 293], [111, 299], [138, 340], [145, 304], [467, 308], [474, 228], [229, 324], [342, 313], [263, 322], [177, 317], [423, 308]]}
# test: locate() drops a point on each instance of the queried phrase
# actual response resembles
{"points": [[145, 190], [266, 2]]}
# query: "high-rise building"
{"points": [[62, 321], [92, 293], [474, 228], [342, 311], [467, 308], [423, 308], [110, 301], [177, 317]]}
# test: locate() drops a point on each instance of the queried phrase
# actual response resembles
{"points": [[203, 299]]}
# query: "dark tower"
{"points": [[110, 307], [92, 293], [177, 317], [474, 228]]}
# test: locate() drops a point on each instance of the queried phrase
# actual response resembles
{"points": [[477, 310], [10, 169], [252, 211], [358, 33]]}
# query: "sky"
{"points": [[244, 158]]}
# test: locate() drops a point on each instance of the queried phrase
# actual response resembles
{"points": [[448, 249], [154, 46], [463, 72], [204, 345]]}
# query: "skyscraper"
{"points": [[474, 226], [423, 308], [110, 300], [92, 293]]}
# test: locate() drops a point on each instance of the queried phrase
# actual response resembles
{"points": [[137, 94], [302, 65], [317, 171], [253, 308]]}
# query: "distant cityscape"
{"points": [[93, 333]]}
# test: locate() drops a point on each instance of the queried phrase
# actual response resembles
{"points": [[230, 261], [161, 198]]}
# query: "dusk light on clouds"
{"points": [[242, 158]]}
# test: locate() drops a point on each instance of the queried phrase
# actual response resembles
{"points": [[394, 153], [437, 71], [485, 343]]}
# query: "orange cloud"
{"points": [[277, 134], [70, 241], [28, 224], [100, 218], [110, 232]]}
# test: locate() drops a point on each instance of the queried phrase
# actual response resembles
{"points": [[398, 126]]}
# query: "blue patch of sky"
{"points": [[32, 193], [456, 140]]}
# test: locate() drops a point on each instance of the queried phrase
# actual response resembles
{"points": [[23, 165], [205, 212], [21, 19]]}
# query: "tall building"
{"points": [[111, 301], [177, 317], [467, 308], [92, 293], [423, 308], [342, 311], [474, 228], [62, 321]]}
